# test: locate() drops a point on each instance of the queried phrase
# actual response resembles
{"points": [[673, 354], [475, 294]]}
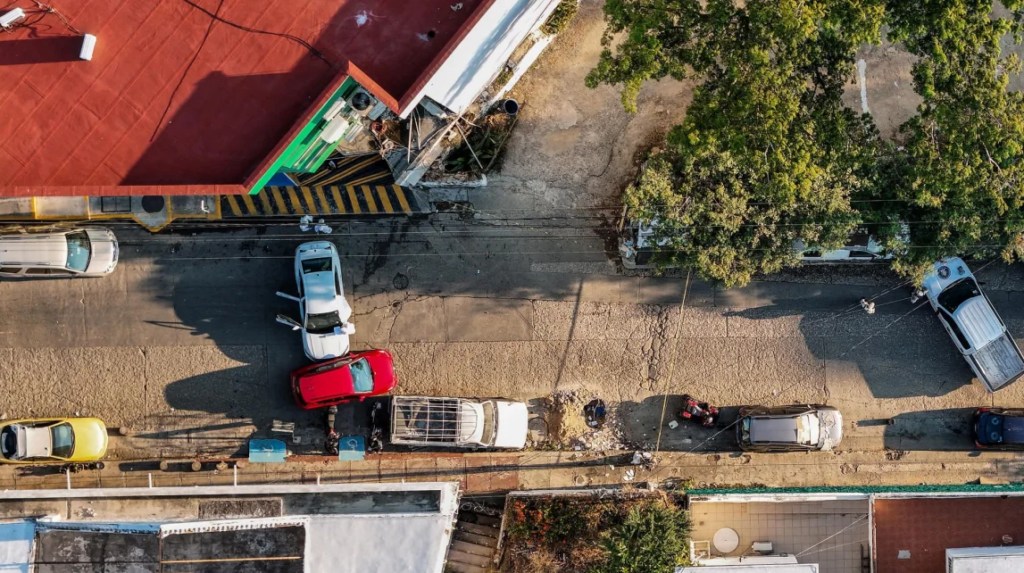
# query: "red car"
{"points": [[358, 375]]}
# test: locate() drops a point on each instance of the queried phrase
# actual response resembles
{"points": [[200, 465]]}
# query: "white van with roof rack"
{"points": [[971, 321], [458, 422], [76, 252]]}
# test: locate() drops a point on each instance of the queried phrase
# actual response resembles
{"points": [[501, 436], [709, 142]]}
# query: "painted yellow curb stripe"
{"points": [[320, 200], [307, 194], [355, 201], [369, 199], [336, 193], [383, 194], [325, 206], [265, 201], [233, 204], [293, 199], [278, 201], [249, 205], [400, 193]]}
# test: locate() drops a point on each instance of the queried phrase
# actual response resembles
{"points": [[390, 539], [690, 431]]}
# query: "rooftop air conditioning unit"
{"points": [[11, 17], [362, 102]]}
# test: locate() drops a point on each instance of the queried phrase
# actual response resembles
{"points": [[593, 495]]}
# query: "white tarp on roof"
{"points": [[384, 543], [479, 57], [16, 545]]}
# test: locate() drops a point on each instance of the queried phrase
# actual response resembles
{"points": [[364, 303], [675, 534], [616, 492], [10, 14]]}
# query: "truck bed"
{"points": [[999, 362]]}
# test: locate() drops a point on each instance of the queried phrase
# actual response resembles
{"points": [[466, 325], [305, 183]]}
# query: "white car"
{"points": [[81, 252], [973, 324], [323, 310]]}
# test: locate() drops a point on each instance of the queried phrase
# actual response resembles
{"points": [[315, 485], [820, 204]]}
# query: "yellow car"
{"points": [[52, 440]]}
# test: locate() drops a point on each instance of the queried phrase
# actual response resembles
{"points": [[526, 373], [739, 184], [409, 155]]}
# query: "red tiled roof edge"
{"points": [[428, 73], [296, 127], [117, 190]]}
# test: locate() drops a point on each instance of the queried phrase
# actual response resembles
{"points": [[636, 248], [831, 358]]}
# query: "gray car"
{"points": [[789, 428], [77, 252]]}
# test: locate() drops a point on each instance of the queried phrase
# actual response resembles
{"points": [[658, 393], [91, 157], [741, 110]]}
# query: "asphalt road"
{"points": [[180, 343]]}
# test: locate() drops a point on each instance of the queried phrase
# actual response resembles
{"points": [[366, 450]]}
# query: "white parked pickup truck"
{"points": [[971, 321], [458, 422]]}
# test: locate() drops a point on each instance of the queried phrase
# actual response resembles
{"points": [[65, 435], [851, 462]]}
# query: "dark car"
{"points": [[999, 428], [789, 428], [358, 375]]}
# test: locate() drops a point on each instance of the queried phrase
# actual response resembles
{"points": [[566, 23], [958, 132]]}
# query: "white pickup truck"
{"points": [[971, 321], [458, 422]]}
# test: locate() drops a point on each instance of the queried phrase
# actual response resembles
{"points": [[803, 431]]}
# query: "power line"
{"points": [[295, 39]]}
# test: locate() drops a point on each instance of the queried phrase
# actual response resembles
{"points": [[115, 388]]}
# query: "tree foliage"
{"points": [[962, 184], [652, 538], [768, 154]]}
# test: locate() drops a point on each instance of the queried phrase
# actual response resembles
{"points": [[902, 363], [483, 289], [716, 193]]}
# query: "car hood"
{"points": [[324, 346], [512, 425], [90, 439], [935, 284], [104, 252], [831, 424]]}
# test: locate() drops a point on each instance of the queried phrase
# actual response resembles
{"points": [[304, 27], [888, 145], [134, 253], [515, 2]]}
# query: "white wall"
{"points": [[476, 61]]}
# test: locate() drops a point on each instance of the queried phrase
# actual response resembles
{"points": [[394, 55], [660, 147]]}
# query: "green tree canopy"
{"points": [[962, 184], [768, 155]]}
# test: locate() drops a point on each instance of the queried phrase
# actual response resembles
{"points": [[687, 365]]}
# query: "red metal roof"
{"points": [[174, 98], [926, 527]]}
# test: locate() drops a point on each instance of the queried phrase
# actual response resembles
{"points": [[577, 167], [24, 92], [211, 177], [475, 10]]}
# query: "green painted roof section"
{"points": [[306, 138]]}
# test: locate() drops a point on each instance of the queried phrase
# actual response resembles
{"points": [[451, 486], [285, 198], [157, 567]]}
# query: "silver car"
{"points": [[80, 252], [323, 310], [789, 428]]}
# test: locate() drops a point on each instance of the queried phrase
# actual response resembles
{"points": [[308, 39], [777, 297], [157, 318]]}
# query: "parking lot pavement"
{"points": [[180, 346]]}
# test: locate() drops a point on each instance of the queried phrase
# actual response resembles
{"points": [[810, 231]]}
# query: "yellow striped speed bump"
{"points": [[323, 200]]}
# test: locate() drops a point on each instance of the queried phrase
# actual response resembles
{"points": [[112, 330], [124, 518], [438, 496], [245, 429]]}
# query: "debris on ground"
{"points": [[479, 145], [644, 459], [568, 428]]}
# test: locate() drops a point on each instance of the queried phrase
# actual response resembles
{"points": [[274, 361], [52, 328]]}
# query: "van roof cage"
{"points": [[431, 419]]}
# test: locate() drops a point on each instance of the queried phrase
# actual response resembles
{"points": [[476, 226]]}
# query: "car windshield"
{"points": [[958, 293], [1013, 430], [9, 442], [78, 251], [63, 440], [319, 265], [322, 323], [362, 376]]}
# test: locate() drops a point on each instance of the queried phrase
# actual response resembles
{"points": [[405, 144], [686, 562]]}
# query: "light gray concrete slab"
{"points": [[488, 319], [420, 320], [603, 321], [617, 289], [666, 290]]}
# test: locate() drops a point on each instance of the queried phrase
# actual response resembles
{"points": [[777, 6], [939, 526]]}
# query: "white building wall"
{"points": [[480, 56]]}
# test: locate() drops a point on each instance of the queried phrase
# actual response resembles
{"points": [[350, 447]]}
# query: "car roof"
{"points": [[321, 295], [1013, 429], [769, 429], [50, 249], [330, 383]]}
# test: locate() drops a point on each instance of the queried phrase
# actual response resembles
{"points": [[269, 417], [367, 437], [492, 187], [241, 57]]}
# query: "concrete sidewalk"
{"points": [[498, 473]]}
